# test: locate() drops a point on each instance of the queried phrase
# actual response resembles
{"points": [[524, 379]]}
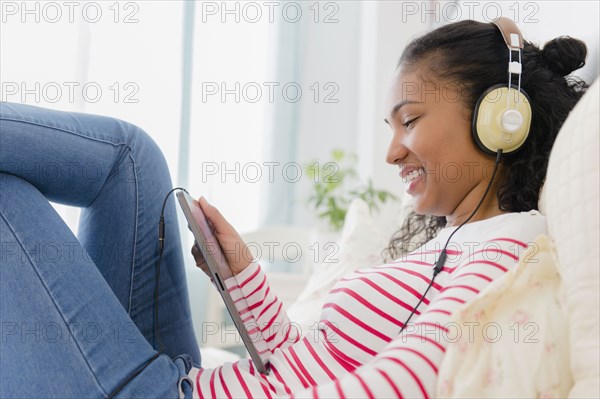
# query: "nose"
{"points": [[397, 150]]}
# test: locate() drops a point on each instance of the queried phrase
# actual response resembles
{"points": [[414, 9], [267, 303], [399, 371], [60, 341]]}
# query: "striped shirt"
{"points": [[355, 349]]}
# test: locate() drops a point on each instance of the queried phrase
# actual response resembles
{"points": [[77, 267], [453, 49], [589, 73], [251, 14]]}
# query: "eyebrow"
{"points": [[398, 106]]}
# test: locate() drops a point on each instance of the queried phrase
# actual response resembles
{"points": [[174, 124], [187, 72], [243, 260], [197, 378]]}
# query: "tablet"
{"points": [[219, 270]]}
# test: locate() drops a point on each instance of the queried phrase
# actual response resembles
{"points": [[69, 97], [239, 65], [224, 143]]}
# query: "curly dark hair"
{"points": [[474, 55]]}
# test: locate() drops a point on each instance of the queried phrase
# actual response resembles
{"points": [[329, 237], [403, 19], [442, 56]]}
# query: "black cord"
{"points": [[439, 265], [161, 249]]}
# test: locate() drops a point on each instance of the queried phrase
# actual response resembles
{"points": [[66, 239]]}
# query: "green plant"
{"points": [[335, 186]]}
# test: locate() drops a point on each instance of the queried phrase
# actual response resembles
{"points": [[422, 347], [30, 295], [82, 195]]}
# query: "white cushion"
{"points": [[571, 200]]}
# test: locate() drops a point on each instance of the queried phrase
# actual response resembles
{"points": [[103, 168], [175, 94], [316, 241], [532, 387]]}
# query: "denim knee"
{"points": [[143, 146]]}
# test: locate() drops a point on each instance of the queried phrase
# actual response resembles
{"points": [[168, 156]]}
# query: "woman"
{"points": [[358, 349]]}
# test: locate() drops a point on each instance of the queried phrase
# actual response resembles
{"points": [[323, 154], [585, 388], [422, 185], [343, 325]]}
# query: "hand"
{"points": [[236, 252]]}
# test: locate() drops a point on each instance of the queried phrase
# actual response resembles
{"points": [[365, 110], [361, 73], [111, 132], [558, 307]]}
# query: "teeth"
{"points": [[413, 175]]}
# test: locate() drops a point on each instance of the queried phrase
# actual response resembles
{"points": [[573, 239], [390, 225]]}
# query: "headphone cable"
{"points": [[161, 249], [439, 265]]}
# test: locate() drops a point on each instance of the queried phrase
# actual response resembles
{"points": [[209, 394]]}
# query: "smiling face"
{"points": [[432, 131]]}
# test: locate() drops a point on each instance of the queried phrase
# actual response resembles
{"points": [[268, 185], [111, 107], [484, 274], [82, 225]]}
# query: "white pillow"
{"points": [[571, 198]]}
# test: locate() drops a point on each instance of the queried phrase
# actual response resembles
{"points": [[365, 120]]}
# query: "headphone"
{"points": [[502, 115]]}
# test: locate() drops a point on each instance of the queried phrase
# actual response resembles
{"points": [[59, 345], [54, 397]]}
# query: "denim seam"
{"points": [[135, 234], [54, 303]]}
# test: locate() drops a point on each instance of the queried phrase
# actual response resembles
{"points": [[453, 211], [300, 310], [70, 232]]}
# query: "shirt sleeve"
{"points": [[266, 322], [261, 311], [408, 366]]}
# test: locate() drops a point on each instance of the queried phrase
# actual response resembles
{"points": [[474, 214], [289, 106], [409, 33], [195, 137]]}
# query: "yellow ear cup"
{"points": [[501, 120]]}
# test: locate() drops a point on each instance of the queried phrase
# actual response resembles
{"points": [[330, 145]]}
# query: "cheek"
{"points": [[437, 147], [452, 144], [453, 164]]}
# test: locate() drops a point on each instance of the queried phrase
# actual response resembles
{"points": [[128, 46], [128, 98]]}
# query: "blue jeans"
{"points": [[77, 312]]}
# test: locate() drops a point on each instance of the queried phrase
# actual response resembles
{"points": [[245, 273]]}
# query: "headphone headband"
{"points": [[510, 32], [502, 114]]}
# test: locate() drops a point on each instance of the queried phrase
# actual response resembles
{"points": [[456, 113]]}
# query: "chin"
{"points": [[422, 209]]}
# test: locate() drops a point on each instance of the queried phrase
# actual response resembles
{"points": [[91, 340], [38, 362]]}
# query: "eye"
{"points": [[409, 124]]}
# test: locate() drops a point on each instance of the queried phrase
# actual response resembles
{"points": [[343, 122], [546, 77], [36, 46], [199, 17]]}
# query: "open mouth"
{"points": [[413, 175]]}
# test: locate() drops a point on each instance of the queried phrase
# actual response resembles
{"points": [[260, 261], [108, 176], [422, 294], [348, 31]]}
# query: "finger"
{"points": [[200, 260], [220, 224], [198, 256], [205, 269]]}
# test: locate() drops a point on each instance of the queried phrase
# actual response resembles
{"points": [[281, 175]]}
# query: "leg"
{"points": [[64, 333], [116, 173]]}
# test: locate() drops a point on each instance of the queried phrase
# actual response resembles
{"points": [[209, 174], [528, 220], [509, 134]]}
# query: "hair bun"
{"points": [[564, 54]]}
